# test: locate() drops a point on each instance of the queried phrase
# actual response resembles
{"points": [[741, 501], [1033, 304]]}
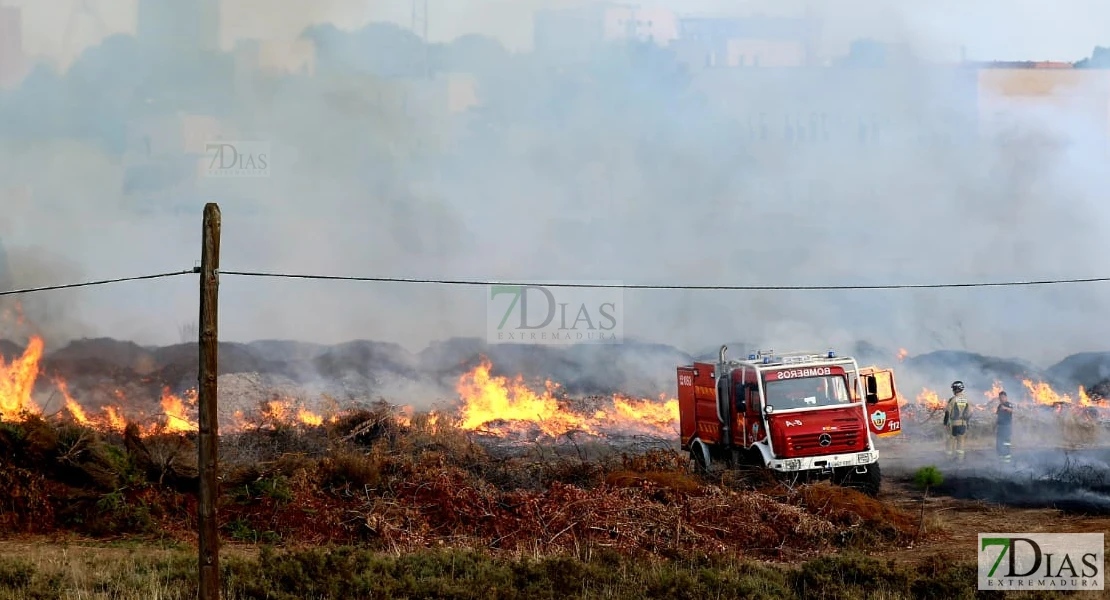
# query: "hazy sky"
{"points": [[593, 200], [989, 29]]}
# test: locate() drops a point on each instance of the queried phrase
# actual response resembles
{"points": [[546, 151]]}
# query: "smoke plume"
{"points": [[630, 162]]}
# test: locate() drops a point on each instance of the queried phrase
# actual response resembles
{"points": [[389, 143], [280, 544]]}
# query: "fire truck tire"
{"points": [[699, 455], [751, 457]]}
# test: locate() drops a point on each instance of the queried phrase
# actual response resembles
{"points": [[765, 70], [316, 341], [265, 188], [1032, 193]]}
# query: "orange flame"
{"points": [[930, 400], [487, 399], [1042, 393], [173, 407], [72, 405], [902, 354], [17, 382], [501, 405], [177, 415]]}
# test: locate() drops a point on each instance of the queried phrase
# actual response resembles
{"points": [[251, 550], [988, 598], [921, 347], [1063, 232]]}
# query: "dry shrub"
{"points": [[1079, 431], [444, 440], [366, 426], [644, 518], [347, 469], [656, 460], [581, 473], [666, 479], [291, 464], [433, 486], [27, 506], [864, 519]]}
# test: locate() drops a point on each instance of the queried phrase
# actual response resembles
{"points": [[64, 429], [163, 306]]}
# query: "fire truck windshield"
{"points": [[806, 392]]}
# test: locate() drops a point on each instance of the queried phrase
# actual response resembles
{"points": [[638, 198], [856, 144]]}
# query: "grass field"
{"points": [[42, 570]]}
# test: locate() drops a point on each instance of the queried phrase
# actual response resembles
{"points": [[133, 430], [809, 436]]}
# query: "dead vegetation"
{"points": [[54, 572], [377, 480]]}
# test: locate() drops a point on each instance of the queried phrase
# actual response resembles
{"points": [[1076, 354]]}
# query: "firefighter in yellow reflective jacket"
{"points": [[956, 416]]}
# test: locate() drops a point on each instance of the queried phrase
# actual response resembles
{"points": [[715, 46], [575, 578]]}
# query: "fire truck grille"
{"points": [[810, 443]]}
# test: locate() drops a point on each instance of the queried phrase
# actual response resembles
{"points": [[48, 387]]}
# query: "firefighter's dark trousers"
{"points": [[1005, 432]]}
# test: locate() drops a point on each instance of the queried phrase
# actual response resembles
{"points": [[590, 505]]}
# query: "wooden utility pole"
{"points": [[208, 443]]}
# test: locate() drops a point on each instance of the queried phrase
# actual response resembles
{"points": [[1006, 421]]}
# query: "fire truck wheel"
{"points": [[697, 457], [751, 457]]}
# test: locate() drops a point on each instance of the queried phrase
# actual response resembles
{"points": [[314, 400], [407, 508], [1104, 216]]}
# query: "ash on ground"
{"points": [[1073, 481]]}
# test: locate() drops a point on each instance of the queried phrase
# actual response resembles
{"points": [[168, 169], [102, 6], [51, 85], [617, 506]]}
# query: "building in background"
{"points": [[13, 62], [1048, 98], [180, 25], [165, 160], [572, 34], [276, 58], [749, 41], [838, 109]]}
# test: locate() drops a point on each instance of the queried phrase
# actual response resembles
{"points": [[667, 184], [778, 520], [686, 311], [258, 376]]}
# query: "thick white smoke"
{"points": [[620, 169]]}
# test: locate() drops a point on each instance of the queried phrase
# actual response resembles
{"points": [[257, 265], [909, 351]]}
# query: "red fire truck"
{"points": [[802, 415]]}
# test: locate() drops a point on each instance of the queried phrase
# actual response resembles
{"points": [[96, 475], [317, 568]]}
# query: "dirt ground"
{"points": [[954, 525]]}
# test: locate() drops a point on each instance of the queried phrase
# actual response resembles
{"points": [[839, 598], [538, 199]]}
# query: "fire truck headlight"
{"points": [[863, 458], [792, 464]]}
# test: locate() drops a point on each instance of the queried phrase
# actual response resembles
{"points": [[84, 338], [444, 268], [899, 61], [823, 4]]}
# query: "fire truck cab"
{"points": [[802, 415]]}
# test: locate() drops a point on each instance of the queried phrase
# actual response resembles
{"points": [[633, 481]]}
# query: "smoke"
{"points": [[638, 165], [1071, 481]]}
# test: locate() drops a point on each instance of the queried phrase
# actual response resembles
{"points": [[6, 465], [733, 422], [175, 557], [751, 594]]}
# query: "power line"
{"points": [[674, 287], [92, 283]]}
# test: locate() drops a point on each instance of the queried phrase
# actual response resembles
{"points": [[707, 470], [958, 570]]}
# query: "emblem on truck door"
{"points": [[878, 418], [825, 439]]}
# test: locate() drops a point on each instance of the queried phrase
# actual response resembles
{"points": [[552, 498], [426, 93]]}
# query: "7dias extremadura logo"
{"points": [[557, 314], [1041, 561]]}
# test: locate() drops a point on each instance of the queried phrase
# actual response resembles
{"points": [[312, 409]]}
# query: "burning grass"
{"points": [[386, 481]]}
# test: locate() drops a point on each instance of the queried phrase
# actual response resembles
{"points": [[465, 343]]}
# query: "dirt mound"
{"points": [[365, 359], [1085, 368], [106, 351]]}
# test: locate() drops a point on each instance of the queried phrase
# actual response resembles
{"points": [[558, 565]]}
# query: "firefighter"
{"points": [[1005, 412], [956, 416]]}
